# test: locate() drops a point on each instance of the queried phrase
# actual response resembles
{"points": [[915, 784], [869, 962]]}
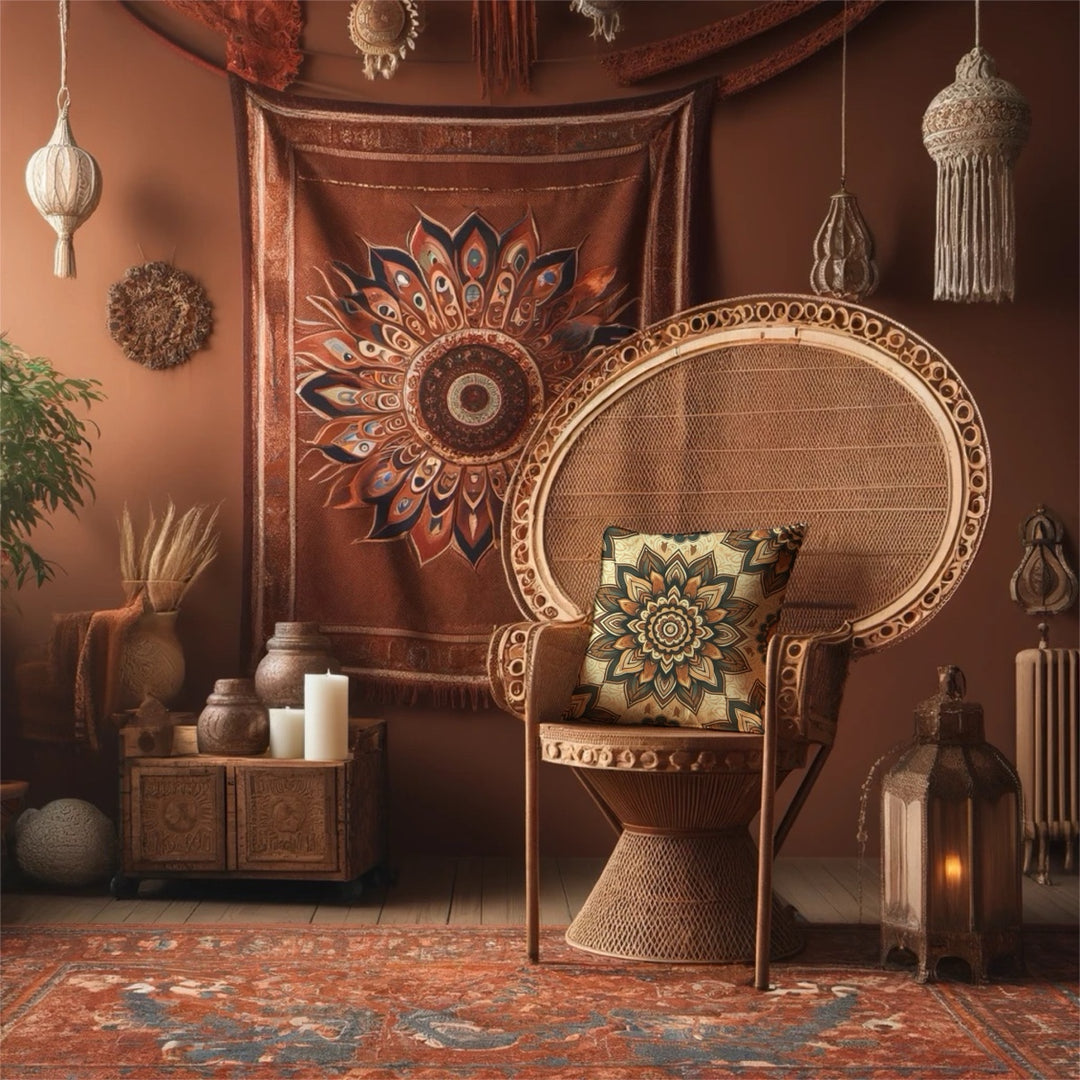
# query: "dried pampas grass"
{"points": [[172, 553]]}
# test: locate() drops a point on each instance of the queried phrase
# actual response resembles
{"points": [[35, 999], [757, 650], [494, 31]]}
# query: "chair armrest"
{"points": [[810, 679], [538, 661]]}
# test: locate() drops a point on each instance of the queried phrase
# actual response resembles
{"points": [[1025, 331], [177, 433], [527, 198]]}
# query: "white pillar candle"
{"points": [[287, 733], [326, 717]]}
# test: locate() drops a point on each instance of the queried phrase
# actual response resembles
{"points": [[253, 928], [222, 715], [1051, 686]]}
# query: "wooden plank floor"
{"points": [[470, 891]]}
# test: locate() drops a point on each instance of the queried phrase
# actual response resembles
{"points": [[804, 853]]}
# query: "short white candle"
{"points": [[326, 717], [287, 733]]}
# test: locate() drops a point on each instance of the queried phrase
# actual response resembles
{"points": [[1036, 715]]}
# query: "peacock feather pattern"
{"points": [[430, 372]]}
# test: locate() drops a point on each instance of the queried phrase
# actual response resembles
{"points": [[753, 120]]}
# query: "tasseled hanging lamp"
{"points": [[844, 265], [974, 130], [63, 181]]}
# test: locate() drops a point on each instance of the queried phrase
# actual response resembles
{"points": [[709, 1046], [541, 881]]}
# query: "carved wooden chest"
{"points": [[255, 817]]}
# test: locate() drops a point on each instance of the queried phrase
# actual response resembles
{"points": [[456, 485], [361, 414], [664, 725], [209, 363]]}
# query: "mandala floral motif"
{"points": [[431, 371], [771, 555], [669, 629]]}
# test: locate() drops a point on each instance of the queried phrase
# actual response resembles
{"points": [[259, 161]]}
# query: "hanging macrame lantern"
{"points": [[844, 265], [974, 130], [383, 31], [63, 180], [606, 16]]}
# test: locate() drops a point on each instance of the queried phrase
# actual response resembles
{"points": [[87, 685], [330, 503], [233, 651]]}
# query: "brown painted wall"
{"points": [[161, 129]]}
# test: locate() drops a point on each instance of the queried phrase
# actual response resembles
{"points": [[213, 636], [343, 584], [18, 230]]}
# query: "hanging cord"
{"points": [[63, 98], [861, 835], [843, 103], [976, 24]]}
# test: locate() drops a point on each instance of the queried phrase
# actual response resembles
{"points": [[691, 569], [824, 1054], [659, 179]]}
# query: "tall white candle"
{"points": [[287, 733], [326, 717]]}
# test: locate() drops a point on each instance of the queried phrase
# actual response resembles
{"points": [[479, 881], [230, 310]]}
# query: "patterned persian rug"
{"points": [[158, 1003]]}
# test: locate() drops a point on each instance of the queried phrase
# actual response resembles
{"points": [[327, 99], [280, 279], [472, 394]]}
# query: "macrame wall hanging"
{"points": [[974, 130], [606, 16], [63, 180], [504, 43], [383, 31], [844, 265]]}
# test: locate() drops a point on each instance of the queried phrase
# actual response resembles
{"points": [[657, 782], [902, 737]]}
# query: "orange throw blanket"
{"points": [[85, 657]]}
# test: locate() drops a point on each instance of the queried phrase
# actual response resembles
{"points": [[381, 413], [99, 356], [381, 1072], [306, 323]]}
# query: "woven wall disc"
{"points": [[159, 315]]}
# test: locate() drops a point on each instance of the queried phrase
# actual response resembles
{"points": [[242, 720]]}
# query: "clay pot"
{"points": [[296, 649], [151, 661], [234, 721]]}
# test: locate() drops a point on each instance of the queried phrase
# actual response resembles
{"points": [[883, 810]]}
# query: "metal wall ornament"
{"points": [[62, 179], [159, 315], [1044, 583], [844, 266], [384, 31], [974, 130], [606, 16]]}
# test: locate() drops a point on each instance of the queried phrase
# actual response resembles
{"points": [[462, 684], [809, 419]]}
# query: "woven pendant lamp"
{"points": [[974, 130], [63, 180], [844, 265]]}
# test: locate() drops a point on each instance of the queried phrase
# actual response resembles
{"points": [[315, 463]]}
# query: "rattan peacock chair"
{"points": [[742, 414]]}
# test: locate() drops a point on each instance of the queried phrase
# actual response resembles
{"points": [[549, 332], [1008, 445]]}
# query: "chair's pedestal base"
{"points": [[679, 898]]}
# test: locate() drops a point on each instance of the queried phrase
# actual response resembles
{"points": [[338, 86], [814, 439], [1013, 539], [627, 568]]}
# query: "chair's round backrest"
{"points": [[753, 412]]}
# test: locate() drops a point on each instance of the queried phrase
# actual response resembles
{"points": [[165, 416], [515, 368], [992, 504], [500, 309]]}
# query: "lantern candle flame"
{"points": [[954, 870]]}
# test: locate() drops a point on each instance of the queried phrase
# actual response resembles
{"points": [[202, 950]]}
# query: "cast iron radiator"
{"points": [[1047, 747]]}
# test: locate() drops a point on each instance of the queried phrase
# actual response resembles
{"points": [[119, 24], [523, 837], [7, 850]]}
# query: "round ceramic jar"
{"points": [[296, 649], [234, 721]]}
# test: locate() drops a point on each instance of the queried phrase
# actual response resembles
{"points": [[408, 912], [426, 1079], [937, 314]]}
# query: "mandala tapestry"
{"points": [[419, 289]]}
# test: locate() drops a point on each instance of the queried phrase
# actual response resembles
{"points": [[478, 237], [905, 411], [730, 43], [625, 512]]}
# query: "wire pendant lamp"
{"points": [[63, 180], [844, 265], [974, 130]]}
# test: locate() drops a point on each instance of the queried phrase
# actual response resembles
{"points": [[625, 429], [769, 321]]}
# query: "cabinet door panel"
{"points": [[287, 818], [177, 818]]}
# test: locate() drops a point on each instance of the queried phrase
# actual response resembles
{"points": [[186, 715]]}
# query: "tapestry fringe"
{"points": [[383, 689]]}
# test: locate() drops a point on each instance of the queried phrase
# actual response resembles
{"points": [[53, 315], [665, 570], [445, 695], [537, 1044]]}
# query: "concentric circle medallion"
{"points": [[473, 395]]}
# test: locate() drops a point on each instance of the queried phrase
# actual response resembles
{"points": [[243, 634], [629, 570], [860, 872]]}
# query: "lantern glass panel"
{"points": [[903, 891], [998, 842], [949, 872]]}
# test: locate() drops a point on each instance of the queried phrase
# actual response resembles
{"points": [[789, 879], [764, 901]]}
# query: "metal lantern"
{"points": [[844, 252], [950, 851], [974, 130], [844, 265], [63, 180]]}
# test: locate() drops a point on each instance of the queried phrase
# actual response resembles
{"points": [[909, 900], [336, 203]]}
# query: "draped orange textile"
{"points": [[262, 37]]}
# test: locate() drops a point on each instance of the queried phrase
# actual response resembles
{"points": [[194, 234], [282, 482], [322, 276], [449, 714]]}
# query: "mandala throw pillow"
{"points": [[680, 627]]}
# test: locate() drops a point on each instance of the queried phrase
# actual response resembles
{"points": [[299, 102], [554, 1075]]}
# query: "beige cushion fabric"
{"points": [[680, 627]]}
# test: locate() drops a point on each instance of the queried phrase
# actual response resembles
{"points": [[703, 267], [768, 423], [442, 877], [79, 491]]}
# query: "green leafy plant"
{"points": [[44, 455]]}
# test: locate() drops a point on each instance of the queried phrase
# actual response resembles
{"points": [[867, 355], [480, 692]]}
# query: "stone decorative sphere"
{"points": [[66, 842]]}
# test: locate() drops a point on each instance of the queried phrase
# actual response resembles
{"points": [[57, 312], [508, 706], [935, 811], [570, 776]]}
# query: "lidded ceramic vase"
{"points": [[234, 720], [296, 649]]}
